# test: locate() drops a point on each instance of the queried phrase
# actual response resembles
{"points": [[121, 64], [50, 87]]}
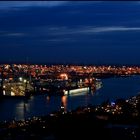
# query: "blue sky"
{"points": [[70, 32]]}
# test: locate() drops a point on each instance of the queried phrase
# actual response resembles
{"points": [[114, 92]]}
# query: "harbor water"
{"points": [[40, 105]]}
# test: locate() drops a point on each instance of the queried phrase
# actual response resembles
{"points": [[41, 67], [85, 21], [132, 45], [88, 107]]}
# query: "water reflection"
{"points": [[87, 99], [20, 111], [48, 99], [67, 102], [64, 102], [42, 105]]}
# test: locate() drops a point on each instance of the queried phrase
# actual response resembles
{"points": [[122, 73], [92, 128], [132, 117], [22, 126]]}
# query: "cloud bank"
{"points": [[90, 30], [17, 4]]}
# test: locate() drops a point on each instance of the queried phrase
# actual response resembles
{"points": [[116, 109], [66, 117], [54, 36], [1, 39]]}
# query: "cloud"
{"points": [[89, 30], [15, 34], [11, 34], [20, 4], [108, 29], [64, 33], [59, 40]]}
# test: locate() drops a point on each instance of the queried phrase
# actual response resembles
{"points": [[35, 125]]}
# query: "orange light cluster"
{"points": [[64, 76]]}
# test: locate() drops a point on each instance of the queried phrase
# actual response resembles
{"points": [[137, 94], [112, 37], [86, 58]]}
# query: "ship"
{"points": [[82, 90], [16, 90]]}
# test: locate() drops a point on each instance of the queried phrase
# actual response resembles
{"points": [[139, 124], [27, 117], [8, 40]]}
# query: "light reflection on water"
{"points": [[19, 110], [64, 102], [112, 89]]}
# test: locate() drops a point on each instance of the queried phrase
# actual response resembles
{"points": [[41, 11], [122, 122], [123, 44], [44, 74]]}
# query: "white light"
{"points": [[12, 93], [77, 90], [25, 81], [3, 92], [20, 78], [64, 76], [66, 92]]}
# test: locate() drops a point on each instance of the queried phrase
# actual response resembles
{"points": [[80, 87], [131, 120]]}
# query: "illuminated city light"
{"points": [[76, 91], [20, 79], [64, 76], [3, 92], [12, 93]]}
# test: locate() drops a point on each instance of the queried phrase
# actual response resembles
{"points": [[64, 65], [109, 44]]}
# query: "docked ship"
{"points": [[16, 89], [94, 87]]}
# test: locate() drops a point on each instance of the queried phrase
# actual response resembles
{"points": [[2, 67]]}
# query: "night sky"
{"points": [[70, 32]]}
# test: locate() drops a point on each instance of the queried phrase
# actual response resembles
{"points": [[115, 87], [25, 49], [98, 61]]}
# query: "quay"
{"points": [[28, 80], [57, 87]]}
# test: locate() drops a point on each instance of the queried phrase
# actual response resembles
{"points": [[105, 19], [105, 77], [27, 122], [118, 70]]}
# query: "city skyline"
{"points": [[92, 32]]}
